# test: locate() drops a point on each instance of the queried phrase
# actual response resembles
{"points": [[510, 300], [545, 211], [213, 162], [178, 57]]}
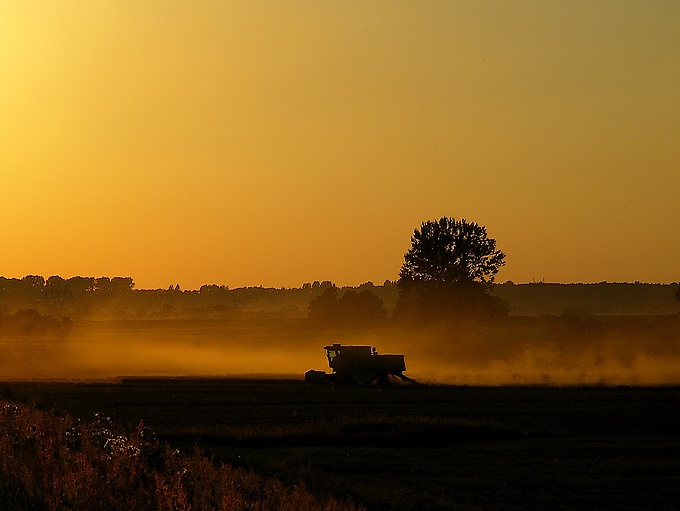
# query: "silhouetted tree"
{"points": [[28, 322], [35, 281], [55, 288], [351, 310], [214, 294], [362, 308], [81, 285], [323, 308], [450, 251], [121, 284], [57, 293], [103, 285], [448, 270]]}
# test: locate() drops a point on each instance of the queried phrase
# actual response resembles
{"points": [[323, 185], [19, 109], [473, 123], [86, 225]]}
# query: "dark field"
{"points": [[407, 448]]}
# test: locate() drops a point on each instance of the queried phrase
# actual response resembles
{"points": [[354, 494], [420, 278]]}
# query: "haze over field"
{"points": [[276, 143], [558, 350]]}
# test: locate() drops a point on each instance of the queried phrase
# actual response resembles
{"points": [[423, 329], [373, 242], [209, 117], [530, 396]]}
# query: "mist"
{"points": [[553, 353], [547, 367], [613, 351], [105, 351]]}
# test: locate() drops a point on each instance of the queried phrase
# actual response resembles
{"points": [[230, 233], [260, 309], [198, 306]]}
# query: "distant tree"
{"points": [[214, 294], [121, 284], [164, 302], [103, 285], [323, 308], [352, 309], [55, 281], [56, 290], [29, 290], [28, 322], [448, 270], [81, 285], [363, 308], [34, 281]]}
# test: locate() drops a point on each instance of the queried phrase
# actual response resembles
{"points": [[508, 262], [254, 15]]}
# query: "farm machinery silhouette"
{"points": [[359, 364]]}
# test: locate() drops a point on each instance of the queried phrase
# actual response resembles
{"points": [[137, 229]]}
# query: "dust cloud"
{"points": [[544, 367], [475, 356], [105, 352], [544, 356]]}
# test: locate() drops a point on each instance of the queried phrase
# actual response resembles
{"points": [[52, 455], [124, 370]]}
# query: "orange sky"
{"points": [[275, 143]]}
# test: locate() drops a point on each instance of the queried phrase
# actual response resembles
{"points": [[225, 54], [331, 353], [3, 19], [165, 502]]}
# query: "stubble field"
{"points": [[408, 448]]}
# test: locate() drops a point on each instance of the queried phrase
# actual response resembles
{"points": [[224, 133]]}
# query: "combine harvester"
{"points": [[359, 364]]}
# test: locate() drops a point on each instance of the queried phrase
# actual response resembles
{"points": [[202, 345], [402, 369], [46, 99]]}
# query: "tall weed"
{"points": [[56, 463]]}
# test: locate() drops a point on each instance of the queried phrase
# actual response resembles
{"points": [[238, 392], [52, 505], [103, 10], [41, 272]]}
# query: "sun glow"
{"points": [[250, 143]]}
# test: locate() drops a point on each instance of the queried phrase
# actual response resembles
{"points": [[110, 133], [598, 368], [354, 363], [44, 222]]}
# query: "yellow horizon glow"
{"points": [[275, 143]]}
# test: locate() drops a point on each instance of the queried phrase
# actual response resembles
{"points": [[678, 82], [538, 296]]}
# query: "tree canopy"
{"points": [[448, 269], [450, 251]]}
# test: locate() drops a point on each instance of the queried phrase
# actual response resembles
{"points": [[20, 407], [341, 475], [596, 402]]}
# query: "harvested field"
{"points": [[408, 448]]}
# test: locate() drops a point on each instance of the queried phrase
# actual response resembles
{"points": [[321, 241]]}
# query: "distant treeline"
{"points": [[601, 299], [117, 298]]}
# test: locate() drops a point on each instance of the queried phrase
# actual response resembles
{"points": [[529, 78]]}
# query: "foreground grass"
{"points": [[56, 463], [406, 448]]}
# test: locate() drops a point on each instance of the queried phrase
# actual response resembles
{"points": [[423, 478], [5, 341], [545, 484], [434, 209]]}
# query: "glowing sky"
{"points": [[274, 143]]}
